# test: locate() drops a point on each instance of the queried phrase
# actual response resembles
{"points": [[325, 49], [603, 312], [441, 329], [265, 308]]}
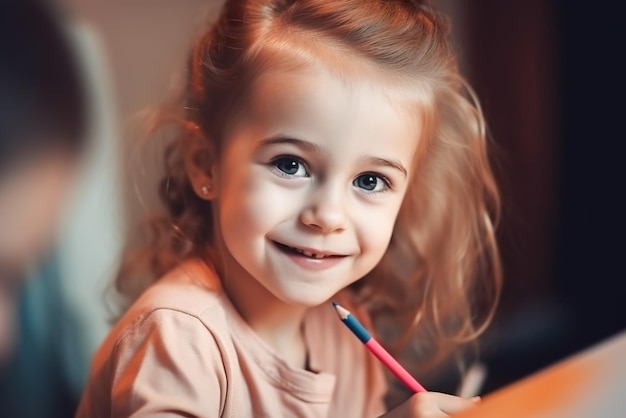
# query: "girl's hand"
{"points": [[431, 405]]}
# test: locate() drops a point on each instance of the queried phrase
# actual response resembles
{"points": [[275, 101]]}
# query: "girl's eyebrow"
{"points": [[311, 147], [389, 163], [308, 146]]}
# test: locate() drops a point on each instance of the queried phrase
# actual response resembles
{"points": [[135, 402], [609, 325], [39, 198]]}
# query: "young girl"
{"points": [[327, 151]]}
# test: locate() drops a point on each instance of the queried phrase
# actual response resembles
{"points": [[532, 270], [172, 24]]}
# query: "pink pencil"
{"points": [[375, 348]]}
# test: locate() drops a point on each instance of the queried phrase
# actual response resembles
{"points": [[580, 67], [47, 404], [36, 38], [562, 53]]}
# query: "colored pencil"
{"points": [[375, 348]]}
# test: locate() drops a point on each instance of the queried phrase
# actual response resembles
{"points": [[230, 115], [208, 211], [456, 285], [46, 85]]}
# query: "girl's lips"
{"points": [[317, 254], [307, 259]]}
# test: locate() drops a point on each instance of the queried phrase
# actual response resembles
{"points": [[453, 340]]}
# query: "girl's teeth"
{"points": [[309, 254]]}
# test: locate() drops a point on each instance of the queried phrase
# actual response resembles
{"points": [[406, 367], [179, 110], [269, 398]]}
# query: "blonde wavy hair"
{"points": [[440, 278]]}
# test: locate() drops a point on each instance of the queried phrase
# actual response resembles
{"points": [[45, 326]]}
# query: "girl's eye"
{"points": [[290, 166], [371, 183]]}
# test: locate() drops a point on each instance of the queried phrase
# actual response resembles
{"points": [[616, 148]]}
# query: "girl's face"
{"points": [[310, 183]]}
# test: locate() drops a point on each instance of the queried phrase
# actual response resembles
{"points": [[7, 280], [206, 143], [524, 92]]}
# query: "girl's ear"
{"points": [[199, 158]]}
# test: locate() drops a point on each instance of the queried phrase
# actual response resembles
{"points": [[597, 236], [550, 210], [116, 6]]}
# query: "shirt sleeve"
{"points": [[169, 365]]}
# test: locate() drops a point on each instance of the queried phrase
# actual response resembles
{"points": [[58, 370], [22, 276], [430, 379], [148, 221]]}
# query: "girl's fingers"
{"points": [[446, 404]]}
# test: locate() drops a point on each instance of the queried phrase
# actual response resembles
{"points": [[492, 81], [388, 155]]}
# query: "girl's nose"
{"points": [[325, 212]]}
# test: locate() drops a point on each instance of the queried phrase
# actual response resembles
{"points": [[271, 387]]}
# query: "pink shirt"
{"points": [[183, 350]]}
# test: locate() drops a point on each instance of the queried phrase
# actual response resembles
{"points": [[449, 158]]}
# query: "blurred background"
{"points": [[550, 76], [551, 79]]}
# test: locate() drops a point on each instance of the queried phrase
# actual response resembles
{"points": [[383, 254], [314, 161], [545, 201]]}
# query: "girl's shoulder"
{"points": [[190, 292], [190, 288], [179, 323]]}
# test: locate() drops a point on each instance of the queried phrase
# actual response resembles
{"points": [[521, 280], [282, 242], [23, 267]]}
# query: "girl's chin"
{"points": [[307, 300]]}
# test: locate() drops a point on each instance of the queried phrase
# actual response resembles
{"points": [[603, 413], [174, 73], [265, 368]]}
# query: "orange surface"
{"points": [[590, 384]]}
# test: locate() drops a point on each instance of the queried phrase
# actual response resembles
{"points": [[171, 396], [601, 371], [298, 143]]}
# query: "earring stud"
{"points": [[205, 189]]}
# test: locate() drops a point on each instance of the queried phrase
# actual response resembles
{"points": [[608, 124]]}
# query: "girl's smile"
{"points": [[310, 259], [308, 252]]}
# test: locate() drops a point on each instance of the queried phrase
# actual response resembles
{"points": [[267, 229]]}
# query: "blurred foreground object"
{"points": [[60, 313], [43, 125], [588, 384]]}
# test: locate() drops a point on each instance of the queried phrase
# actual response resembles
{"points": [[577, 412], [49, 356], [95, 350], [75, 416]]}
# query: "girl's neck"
{"points": [[279, 324], [270, 318]]}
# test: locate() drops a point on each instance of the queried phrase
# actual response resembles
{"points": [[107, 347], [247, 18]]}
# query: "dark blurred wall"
{"points": [[590, 260], [550, 75], [513, 66]]}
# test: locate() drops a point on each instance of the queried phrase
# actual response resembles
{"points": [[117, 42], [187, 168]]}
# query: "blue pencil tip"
{"points": [[335, 303]]}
